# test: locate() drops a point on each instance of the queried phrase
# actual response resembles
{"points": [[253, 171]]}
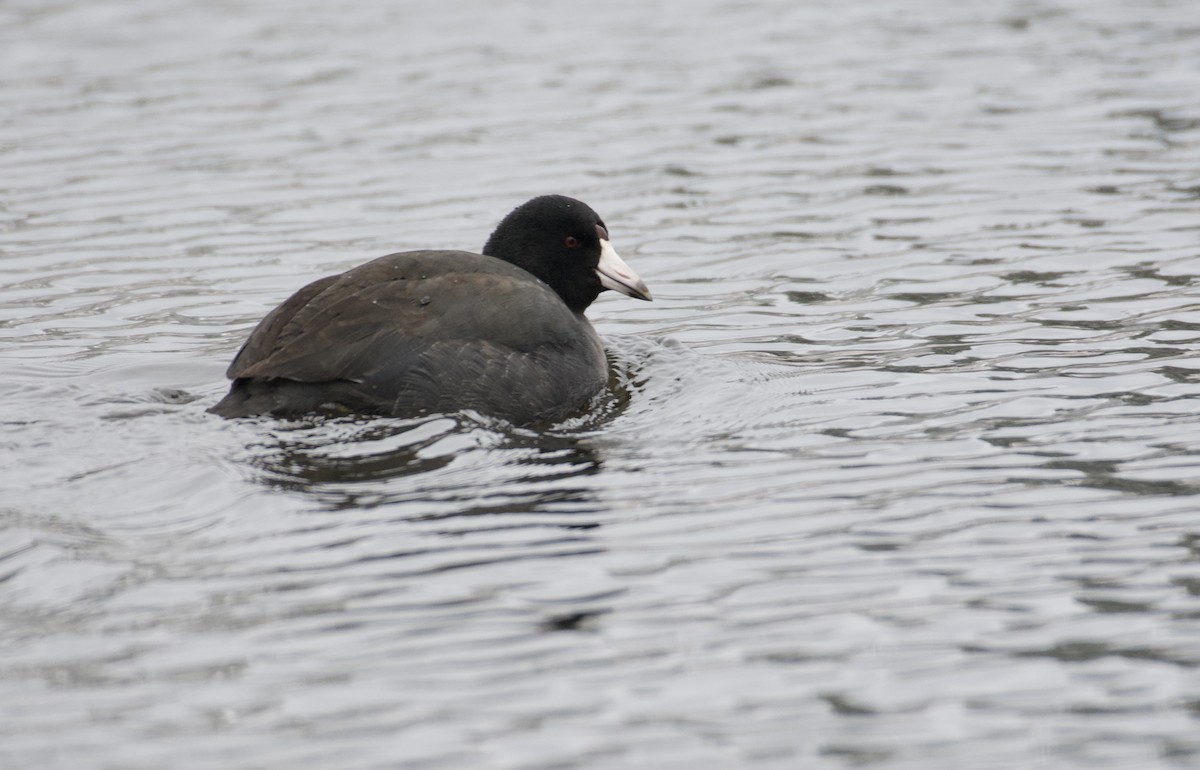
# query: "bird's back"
{"points": [[415, 332]]}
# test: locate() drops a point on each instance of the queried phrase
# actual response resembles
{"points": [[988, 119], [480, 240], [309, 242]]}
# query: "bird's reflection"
{"points": [[456, 465], [307, 456]]}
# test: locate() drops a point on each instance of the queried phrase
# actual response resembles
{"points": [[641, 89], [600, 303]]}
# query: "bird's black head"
{"points": [[565, 244]]}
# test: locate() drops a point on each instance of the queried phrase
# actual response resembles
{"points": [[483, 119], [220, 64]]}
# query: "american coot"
{"points": [[501, 332]]}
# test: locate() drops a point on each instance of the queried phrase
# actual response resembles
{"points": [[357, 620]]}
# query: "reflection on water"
{"points": [[342, 462], [313, 458]]}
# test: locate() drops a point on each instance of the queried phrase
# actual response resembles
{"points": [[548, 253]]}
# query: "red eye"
{"points": [[572, 241]]}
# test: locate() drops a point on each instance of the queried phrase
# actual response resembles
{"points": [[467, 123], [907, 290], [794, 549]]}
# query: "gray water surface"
{"points": [[899, 470]]}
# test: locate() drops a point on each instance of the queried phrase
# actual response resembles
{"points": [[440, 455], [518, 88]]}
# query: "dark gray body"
{"points": [[419, 332]]}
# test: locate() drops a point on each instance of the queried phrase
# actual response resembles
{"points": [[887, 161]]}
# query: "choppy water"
{"points": [[900, 468]]}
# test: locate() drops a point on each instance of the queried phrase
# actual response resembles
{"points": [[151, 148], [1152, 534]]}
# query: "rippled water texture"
{"points": [[899, 470]]}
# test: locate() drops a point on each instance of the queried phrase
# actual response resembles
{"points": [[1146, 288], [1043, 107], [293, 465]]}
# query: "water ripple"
{"points": [[899, 469]]}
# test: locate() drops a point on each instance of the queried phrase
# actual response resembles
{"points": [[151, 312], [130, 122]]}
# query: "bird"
{"points": [[502, 332]]}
